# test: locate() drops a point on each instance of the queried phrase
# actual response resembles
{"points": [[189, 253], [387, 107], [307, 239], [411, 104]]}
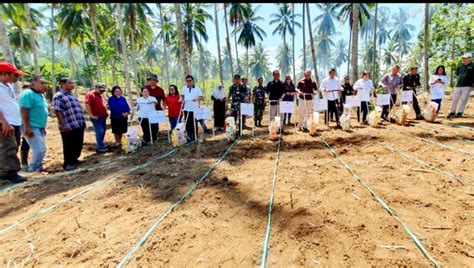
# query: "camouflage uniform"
{"points": [[259, 102], [237, 95]]}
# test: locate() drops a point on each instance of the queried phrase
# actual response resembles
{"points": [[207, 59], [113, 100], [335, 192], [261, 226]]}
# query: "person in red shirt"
{"points": [[156, 91], [173, 101], [96, 108]]}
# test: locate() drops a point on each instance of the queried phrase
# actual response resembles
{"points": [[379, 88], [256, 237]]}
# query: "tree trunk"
{"points": [[53, 60], [293, 39], [7, 54], [165, 49], [219, 60], [93, 13], [228, 41], [32, 38], [71, 57], [182, 44], [237, 52], [349, 47], [22, 46], [133, 51], [304, 40], [248, 63], [313, 51], [425, 54], [374, 54], [355, 41], [453, 57], [124, 52]]}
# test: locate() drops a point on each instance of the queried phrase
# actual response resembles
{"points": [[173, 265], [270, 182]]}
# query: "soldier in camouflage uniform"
{"points": [[259, 102], [237, 94]]}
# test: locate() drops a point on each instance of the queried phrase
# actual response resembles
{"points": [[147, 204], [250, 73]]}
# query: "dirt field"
{"points": [[322, 215]]}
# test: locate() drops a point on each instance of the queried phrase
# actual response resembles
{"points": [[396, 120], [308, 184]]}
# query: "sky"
{"points": [[271, 42]]}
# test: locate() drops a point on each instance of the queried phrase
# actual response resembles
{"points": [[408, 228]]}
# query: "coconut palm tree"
{"points": [[227, 40], [374, 57], [182, 39], [355, 41], [166, 27], [33, 38], [249, 30], [293, 39], [284, 21], [7, 54], [92, 8], [388, 56], [426, 44], [226, 66], [259, 63], [304, 40], [120, 23], [402, 32], [284, 59], [340, 55], [216, 22], [237, 14], [313, 51], [326, 19]]}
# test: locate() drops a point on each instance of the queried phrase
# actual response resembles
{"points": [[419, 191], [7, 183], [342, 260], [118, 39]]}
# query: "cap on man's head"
{"points": [[236, 76], [100, 86], [152, 77], [7, 67], [467, 55]]}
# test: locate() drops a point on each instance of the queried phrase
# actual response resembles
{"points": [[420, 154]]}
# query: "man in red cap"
{"points": [[10, 122]]}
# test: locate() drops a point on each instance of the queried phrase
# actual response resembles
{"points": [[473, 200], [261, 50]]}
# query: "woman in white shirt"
{"points": [[191, 96], [146, 109], [364, 87], [438, 83]]}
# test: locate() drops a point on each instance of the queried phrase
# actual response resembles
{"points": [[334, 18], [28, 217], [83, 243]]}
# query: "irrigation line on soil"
{"points": [[270, 209], [126, 258], [457, 137], [423, 163], [459, 126], [407, 230], [92, 187], [444, 145]]}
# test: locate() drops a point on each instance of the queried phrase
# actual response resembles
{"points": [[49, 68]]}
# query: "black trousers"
{"points": [[73, 141], [364, 108], [191, 125], [416, 106], [387, 108], [332, 110], [146, 130]]}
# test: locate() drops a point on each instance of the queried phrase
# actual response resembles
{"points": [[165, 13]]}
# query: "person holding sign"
{"points": [[306, 87], [391, 83], [237, 94], [276, 92], [219, 98], [289, 96], [411, 82], [173, 101], [191, 96], [146, 109], [258, 99], [438, 83], [331, 89], [363, 87], [348, 90]]}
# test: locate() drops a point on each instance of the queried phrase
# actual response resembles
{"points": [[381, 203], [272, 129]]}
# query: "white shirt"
{"points": [[363, 88], [332, 86], [191, 97], [437, 89], [9, 105], [146, 106]]}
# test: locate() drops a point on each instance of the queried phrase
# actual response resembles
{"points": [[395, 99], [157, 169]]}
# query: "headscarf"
{"points": [[217, 93]]}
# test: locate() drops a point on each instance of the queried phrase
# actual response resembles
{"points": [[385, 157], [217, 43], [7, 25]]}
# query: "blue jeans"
{"points": [[38, 148], [173, 122], [99, 129]]}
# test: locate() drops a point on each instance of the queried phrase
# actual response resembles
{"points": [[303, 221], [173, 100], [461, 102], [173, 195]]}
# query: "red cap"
{"points": [[6, 67]]}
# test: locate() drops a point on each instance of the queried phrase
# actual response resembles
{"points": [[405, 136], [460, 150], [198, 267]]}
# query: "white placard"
{"points": [[407, 96], [157, 117], [246, 109], [320, 105], [383, 99], [203, 112], [353, 101], [287, 107]]}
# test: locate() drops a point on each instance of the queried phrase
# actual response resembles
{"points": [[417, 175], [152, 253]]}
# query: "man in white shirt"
{"points": [[191, 96], [10, 122], [331, 87]]}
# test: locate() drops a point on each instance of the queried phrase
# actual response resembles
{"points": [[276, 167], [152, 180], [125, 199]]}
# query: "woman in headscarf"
{"points": [[219, 98]]}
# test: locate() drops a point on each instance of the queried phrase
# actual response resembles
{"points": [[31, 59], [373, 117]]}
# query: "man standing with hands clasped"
{"points": [[308, 87], [276, 92], [34, 114], [96, 107], [331, 87], [464, 85], [10, 122]]}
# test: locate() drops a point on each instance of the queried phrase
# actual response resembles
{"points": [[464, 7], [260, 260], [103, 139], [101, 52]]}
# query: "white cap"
{"points": [[467, 55]]}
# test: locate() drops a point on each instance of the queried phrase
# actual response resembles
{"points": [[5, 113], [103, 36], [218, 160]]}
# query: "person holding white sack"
{"points": [[438, 82], [146, 108], [331, 87], [364, 87], [191, 95]]}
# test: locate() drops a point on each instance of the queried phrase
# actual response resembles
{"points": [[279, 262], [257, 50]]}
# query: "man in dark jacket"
{"points": [[465, 82], [276, 92], [410, 82]]}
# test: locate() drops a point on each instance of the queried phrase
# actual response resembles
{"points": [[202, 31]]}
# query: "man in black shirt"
{"points": [[276, 92], [411, 82]]}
